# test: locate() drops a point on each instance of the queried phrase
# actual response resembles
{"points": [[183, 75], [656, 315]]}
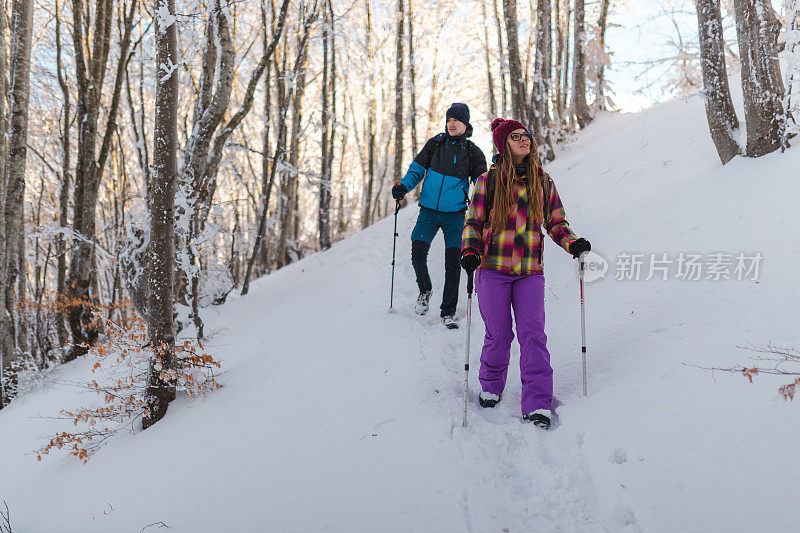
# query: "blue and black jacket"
{"points": [[448, 165]]}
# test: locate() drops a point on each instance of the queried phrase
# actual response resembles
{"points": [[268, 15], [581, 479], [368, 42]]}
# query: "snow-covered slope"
{"points": [[339, 416]]}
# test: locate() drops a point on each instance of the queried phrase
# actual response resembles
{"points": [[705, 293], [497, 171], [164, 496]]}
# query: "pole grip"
{"points": [[469, 281]]}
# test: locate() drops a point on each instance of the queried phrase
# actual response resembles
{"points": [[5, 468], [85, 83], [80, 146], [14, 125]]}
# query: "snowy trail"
{"points": [[337, 415], [401, 377]]}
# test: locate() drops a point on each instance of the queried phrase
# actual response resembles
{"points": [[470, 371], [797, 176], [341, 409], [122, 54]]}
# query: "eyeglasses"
{"points": [[516, 137]]}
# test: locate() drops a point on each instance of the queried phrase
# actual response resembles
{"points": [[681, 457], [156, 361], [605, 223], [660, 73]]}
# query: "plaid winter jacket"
{"points": [[517, 248]]}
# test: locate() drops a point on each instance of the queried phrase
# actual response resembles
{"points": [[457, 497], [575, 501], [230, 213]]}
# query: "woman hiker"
{"points": [[503, 241], [447, 163]]}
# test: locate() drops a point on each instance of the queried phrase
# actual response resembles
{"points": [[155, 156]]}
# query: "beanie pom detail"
{"points": [[501, 129]]}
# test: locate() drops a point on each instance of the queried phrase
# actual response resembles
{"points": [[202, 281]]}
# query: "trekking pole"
{"points": [[583, 325], [394, 248], [466, 356]]}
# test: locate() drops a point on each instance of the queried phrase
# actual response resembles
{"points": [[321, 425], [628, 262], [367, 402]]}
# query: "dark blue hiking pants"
{"points": [[428, 224]]}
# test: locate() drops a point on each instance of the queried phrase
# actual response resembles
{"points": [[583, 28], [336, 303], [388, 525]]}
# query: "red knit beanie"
{"points": [[501, 129]]}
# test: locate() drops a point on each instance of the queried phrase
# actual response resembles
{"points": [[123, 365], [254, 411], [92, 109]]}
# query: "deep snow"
{"points": [[339, 416]]}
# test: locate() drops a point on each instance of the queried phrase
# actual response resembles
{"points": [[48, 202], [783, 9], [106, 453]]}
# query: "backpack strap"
{"points": [[439, 140]]}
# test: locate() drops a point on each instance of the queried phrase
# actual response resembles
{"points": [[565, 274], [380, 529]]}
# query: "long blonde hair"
{"points": [[505, 192]]}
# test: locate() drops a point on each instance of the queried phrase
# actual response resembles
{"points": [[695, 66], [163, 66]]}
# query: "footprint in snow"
{"points": [[618, 456]]}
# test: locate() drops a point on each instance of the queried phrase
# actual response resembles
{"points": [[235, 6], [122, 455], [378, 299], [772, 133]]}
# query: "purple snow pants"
{"points": [[498, 293]]}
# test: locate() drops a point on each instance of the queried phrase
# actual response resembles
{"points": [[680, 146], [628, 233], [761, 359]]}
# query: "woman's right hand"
{"points": [[470, 261]]}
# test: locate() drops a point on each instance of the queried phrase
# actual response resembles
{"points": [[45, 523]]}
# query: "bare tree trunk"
{"points": [[333, 119], [721, 115], [518, 91], [565, 87], [559, 55], [283, 92], [757, 28], [265, 166], [582, 113], [503, 59], [224, 133], [162, 230], [289, 178], [212, 102], [6, 346], [489, 74], [138, 120], [90, 73], [540, 95], [262, 219], [366, 216], [398, 94], [791, 102], [412, 78], [18, 96], [600, 100], [21, 324], [63, 197], [325, 172]]}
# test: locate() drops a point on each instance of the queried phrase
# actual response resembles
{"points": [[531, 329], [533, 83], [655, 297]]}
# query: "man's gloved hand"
{"points": [[470, 261], [399, 191], [579, 246]]}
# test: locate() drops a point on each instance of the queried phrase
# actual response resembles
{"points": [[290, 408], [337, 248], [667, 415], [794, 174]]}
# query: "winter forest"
{"points": [[160, 157], [293, 120]]}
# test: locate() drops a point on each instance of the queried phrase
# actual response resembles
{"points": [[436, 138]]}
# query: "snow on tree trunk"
{"points": [[162, 223], [791, 103], [5, 317], [722, 121], [212, 102], [205, 145], [18, 97], [757, 28]]}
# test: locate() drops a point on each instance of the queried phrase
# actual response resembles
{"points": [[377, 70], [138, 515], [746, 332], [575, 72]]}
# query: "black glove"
{"points": [[399, 191], [470, 261], [579, 246]]}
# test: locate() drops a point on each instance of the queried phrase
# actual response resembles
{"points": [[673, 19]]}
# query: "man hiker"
{"points": [[446, 165]]}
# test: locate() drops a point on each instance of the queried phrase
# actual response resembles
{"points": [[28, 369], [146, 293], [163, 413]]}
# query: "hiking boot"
{"points": [[450, 321], [540, 418], [422, 303], [488, 400]]}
